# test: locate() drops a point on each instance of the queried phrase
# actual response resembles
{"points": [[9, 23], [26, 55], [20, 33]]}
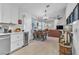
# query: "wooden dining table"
{"points": [[40, 35]]}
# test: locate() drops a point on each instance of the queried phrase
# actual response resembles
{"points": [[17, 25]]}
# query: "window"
{"points": [[73, 16], [78, 10], [76, 13], [67, 21]]}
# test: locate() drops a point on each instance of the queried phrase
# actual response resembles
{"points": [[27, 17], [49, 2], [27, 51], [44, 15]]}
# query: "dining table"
{"points": [[40, 35]]}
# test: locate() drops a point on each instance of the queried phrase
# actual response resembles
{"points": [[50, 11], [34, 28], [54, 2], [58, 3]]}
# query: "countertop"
{"points": [[10, 33], [5, 33]]}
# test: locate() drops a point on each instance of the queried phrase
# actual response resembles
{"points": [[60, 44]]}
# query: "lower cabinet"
{"points": [[16, 41], [13, 45]]}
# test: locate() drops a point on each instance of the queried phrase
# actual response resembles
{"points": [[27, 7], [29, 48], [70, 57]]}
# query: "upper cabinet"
{"points": [[6, 13], [10, 13], [0, 12], [14, 11]]}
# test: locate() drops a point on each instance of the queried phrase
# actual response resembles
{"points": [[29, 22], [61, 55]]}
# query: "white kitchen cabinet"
{"points": [[16, 41], [9, 13], [14, 14], [13, 45], [6, 13], [0, 12]]}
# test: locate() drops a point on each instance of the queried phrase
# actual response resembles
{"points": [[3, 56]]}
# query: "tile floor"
{"points": [[48, 47]]}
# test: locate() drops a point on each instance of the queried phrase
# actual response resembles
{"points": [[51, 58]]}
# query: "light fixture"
{"points": [[45, 10], [59, 17], [47, 6], [45, 15]]}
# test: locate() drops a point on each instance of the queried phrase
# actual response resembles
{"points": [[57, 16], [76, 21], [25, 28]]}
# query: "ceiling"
{"points": [[38, 9]]}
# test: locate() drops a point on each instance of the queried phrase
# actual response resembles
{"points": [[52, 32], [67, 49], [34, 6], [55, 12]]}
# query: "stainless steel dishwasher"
{"points": [[26, 38], [4, 44]]}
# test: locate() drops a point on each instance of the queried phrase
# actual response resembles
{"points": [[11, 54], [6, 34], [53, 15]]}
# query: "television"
{"points": [[59, 27]]}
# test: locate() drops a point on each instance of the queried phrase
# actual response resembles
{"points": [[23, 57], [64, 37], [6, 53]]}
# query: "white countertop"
{"points": [[5, 33], [10, 33]]}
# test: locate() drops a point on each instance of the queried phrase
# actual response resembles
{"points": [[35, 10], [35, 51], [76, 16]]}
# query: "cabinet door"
{"points": [[13, 37], [20, 39], [20, 43], [0, 12], [6, 13], [14, 42], [14, 14], [14, 45]]}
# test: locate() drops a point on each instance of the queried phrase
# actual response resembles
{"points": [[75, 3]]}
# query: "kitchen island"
{"points": [[9, 42], [17, 41]]}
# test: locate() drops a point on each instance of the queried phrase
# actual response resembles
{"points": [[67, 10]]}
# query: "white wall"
{"points": [[53, 24], [62, 21]]}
